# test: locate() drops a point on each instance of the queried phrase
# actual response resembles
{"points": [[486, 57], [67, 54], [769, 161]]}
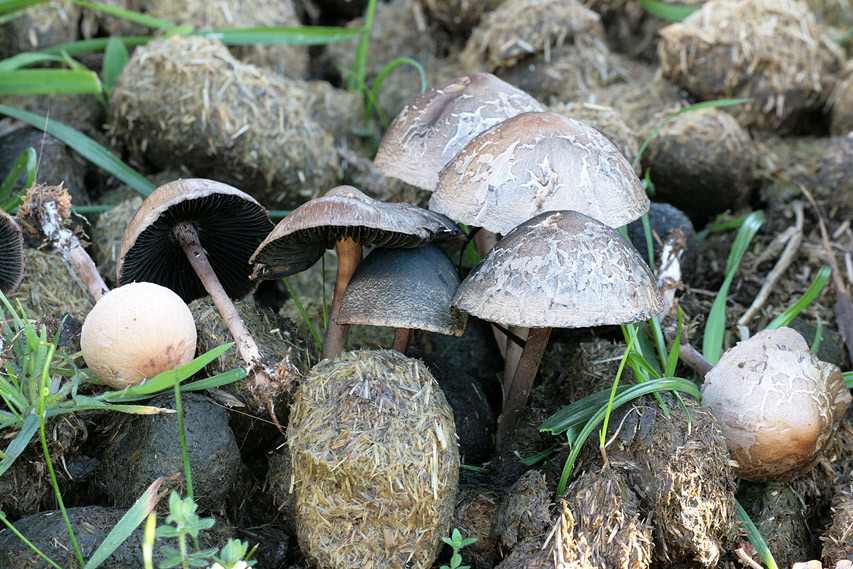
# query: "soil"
{"points": [[668, 498]]}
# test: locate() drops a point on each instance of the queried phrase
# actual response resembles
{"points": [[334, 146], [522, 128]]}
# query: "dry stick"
{"points": [[349, 256], [516, 398], [69, 245], [778, 270], [843, 307]]}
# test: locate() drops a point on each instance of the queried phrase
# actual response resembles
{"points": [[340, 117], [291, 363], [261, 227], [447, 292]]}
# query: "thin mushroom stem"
{"points": [[403, 340], [516, 398], [349, 256], [513, 353], [187, 236]]}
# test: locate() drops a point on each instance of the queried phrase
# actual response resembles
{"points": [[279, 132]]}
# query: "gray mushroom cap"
{"points": [[299, 240], [436, 124], [536, 162], [404, 288], [11, 253], [561, 269]]}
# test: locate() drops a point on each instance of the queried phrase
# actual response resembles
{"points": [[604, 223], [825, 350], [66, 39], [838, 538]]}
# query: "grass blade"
{"points": [[715, 326], [130, 15], [282, 35], [48, 81], [755, 538], [28, 159], [115, 58], [26, 59], [848, 378], [137, 513], [820, 280], [85, 146], [668, 12], [20, 442], [92, 45], [12, 5]]}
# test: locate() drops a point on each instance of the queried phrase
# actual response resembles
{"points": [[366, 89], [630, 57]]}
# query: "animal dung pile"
{"points": [[375, 462], [771, 51], [188, 103]]}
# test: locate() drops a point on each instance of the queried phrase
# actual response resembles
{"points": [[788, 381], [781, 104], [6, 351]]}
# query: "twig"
{"points": [[788, 254], [744, 556]]}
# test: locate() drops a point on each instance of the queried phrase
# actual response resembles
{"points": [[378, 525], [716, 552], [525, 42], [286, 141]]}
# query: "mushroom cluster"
{"points": [[545, 192]]}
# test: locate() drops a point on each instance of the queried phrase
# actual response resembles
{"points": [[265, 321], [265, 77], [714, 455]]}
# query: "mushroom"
{"points": [[778, 404], [536, 162], [436, 124], [346, 219], [135, 332], [45, 211], [531, 163], [12, 257], [407, 289], [559, 269], [195, 236]]}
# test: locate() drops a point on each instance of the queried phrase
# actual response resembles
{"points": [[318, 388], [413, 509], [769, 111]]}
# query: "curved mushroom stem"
{"points": [[516, 397], [403, 340], [349, 257], [188, 238], [513, 353]]}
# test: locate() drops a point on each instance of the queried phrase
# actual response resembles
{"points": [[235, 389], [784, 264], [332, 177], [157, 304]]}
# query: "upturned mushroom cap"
{"points": [[135, 332], [11, 253], [230, 225], [404, 288], [300, 239], [436, 124], [778, 405], [561, 269], [536, 162]]}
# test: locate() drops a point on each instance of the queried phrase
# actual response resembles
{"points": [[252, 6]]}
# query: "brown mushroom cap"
{"points": [[300, 239], [404, 288], [536, 162], [561, 269], [436, 124], [230, 225], [135, 332], [11, 253], [778, 405]]}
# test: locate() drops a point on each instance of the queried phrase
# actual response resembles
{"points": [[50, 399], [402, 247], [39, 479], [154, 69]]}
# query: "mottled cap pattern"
{"points": [[299, 240], [561, 269], [537, 162], [436, 124]]}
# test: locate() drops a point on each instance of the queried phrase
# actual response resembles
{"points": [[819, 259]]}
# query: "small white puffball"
{"points": [[778, 404], [135, 332]]}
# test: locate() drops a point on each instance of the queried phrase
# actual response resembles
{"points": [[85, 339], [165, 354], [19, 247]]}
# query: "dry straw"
{"points": [[375, 462], [771, 51], [187, 102]]}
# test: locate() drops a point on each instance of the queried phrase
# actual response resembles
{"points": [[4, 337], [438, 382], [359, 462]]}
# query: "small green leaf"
{"points": [[115, 58], [668, 12], [7, 6], [820, 280]]}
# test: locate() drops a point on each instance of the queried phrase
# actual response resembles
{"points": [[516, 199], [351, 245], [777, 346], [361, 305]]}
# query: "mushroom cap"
{"points": [[230, 225], [436, 124], [561, 269], [536, 162], [404, 288], [300, 239], [11, 253], [778, 405], [135, 332]]}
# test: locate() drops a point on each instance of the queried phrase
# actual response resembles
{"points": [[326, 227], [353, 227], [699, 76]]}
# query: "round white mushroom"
{"points": [[777, 403], [135, 332]]}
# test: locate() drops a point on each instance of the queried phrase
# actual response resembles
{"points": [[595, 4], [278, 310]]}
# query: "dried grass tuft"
{"points": [[519, 28], [771, 51], [375, 462], [50, 287], [187, 102]]}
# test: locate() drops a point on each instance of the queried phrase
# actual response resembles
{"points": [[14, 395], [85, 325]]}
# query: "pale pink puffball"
{"points": [[135, 332]]}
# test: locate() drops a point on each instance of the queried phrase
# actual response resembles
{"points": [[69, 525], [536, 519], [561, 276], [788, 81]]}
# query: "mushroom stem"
{"points": [[403, 340], [516, 397], [68, 243], [513, 353], [349, 257], [187, 236]]}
